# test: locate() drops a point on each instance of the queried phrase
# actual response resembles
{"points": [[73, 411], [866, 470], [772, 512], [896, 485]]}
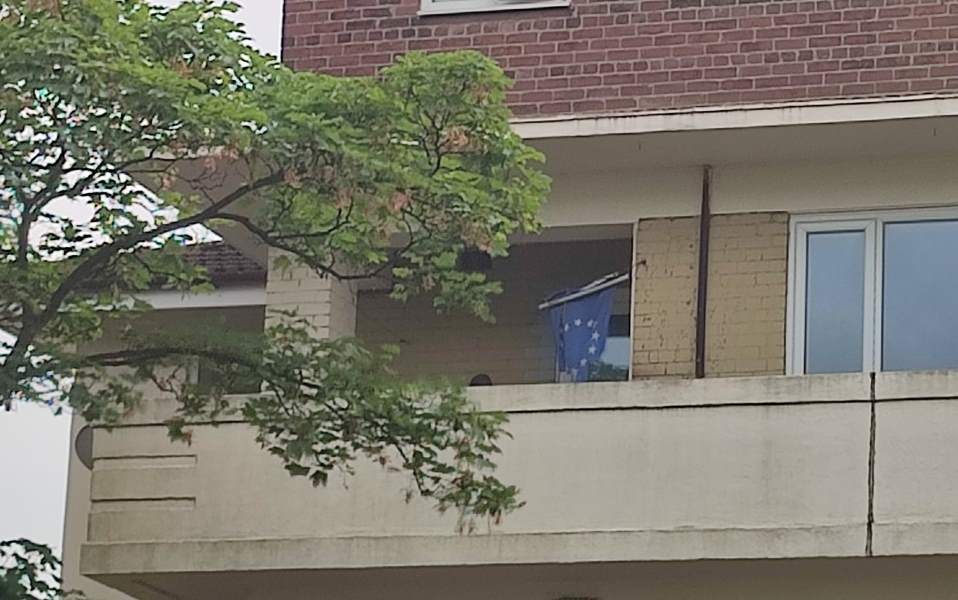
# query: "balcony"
{"points": [[620, 472]]}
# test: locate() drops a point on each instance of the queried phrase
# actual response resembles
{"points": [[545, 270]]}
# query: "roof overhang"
{"points": [[820, 112], [759, 133]]}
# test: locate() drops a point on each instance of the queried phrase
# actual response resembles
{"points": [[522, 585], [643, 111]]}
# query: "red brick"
{"points": [[634, 55]]}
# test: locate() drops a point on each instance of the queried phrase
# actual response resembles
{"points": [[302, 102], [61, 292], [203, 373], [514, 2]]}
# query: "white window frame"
{"points": [[872, 223], [453, 7]]}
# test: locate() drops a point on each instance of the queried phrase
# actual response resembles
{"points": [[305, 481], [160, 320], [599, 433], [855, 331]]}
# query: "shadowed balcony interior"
{"points": [[518, 347], [243, 322]]}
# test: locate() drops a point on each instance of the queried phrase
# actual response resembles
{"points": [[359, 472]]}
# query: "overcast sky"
{"points": [[34, 444], [263, 20]]}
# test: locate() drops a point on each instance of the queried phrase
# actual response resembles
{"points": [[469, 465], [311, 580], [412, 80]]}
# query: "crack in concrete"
{"points": [[870, 522]]}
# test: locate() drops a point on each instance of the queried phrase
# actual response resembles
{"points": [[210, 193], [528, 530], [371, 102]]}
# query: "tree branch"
{"points": [[33, 325], [281, 243]]}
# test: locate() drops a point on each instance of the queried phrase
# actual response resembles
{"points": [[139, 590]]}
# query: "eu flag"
{"points": [[580, 328]]}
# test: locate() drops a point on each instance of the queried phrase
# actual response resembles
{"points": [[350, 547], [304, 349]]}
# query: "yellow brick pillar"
{"points": [[327, 303], [745, 324], [748, 262], [663, 336]]}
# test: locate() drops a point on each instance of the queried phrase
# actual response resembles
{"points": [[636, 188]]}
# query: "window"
{"points": [[613, 365], [444, 7], [874, 292]]}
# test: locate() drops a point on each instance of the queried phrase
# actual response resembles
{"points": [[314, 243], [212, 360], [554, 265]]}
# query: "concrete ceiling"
{"points": [[760, 145], [726, 146]]}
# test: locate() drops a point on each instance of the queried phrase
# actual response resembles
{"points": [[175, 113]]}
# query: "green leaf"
{"points": [[396, 175]]}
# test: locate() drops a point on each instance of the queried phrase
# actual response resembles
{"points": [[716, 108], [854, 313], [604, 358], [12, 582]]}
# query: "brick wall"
{"points": [[329, 305], [666, 271], [518, 347], [745, 326], [633, 55]]}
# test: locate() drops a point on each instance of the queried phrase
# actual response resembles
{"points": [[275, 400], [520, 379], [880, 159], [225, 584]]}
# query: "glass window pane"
{"points": [[617, 352], [920, 303], [835, 300]]}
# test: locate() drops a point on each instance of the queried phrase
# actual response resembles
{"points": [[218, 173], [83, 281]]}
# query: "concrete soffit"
{"points": [[855, 110], [732, 120]]}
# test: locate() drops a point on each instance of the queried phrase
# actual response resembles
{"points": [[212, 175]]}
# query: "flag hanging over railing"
{"points": [[580, 324]]}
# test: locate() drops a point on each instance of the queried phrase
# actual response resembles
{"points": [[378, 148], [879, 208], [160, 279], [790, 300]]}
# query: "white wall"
{"points": [[669, 470], [625, 196], [75, 529], [837, 185], [599, 198]]}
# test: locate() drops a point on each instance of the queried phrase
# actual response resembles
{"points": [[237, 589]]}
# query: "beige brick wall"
{"points": [[663, 341], [748, 262], [327, 303], [518, 347], [343, 302]]}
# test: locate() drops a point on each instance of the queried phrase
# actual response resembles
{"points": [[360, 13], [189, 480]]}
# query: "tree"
{"points": [[30, 571], [395, 175]]}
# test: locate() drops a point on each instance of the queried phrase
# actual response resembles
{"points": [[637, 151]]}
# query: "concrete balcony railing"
{"points": [[771, 467]]}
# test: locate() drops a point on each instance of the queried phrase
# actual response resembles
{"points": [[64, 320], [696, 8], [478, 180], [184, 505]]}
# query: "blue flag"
{"points": [[580, 328]]}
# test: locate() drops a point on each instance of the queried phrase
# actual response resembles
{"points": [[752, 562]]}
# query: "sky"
{"points": [[34, 443], [263, 20]]}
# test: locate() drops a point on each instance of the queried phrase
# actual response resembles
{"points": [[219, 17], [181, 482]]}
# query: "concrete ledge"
{"points": [[636, 394], [663, 393], [897, 539], [925, 385], [414, 551], [675, 393]]}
